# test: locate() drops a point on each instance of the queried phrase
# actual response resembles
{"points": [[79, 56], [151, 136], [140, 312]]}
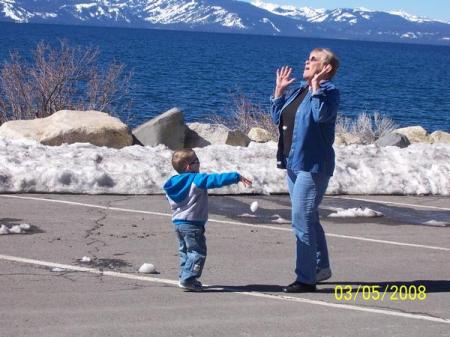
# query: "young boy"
{"points": [[187, 193]]}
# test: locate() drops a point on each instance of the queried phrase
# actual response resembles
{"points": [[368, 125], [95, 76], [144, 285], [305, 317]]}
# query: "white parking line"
{"points": [[253, 294], [243, 224], [389, 202]]}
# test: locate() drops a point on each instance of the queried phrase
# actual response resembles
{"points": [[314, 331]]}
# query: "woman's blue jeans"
{"points": [[192, 250], [306, 190]]}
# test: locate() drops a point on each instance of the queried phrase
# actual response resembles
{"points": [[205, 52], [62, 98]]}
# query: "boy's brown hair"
{"points": [[182, 158]]}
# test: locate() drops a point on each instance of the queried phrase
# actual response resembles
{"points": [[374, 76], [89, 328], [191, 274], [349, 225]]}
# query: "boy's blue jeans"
{"points": [[192, 250], [306, 190]]}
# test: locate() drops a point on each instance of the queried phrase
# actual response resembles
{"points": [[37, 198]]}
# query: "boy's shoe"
{"points": [[299, 287], [323, 274], [191, 285]]}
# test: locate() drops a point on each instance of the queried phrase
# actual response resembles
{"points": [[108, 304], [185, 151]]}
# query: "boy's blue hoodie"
{"points": [[188, 195]]}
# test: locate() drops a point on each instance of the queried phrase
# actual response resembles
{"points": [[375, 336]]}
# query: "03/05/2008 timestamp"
{"points": [[386, 292]]}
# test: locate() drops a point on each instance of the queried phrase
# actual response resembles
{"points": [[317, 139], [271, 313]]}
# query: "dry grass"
{"points": [[246, 115], [367, 127]]}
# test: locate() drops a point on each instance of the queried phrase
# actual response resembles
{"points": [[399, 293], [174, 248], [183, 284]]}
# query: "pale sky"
{"points": [[434, 9]]}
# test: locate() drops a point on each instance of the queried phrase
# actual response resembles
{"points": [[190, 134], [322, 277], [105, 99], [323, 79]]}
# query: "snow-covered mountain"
{"points": [[231, 16]]}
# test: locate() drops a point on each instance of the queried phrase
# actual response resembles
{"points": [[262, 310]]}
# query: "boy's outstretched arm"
{"points": [[216, 180]]}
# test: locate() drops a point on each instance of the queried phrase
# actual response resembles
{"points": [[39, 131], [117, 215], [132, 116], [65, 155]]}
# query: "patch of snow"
{"points": [[14, 229], [246, 215], [57, 269], [409, 35], [355, 213], [80, 7], [4, 230], [276, 218], [290, 11], [409, 17], [437, 223], [17, 14], [266, 20], [364, 9], [344, 17], [85, 259]]}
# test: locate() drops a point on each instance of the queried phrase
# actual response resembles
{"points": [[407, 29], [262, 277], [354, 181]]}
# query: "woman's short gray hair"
{"points": [[330, 58]]}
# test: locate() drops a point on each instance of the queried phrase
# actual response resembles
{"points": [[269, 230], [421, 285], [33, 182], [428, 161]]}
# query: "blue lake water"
{"points": [[201, 72]]}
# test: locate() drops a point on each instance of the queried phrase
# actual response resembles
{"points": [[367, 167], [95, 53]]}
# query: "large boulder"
{"points": [[168, 129], [260, 135], [201, 135], [440, 137], [393, 139], [70, 126], [415, 134]]}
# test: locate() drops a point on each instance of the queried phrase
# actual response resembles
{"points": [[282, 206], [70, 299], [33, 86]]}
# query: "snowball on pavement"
{"points": [[25, 226], [85, 259], [147, 268], [254, 206]]}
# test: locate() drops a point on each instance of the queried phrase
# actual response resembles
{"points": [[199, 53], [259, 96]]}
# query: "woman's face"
{"points": [[313, 65]]}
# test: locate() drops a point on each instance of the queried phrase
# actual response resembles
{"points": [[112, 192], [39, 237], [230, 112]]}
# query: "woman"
{"points": [[306, 121]]}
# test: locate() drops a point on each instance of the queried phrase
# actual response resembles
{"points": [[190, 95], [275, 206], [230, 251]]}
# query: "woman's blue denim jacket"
{"points": [[314, 129]]}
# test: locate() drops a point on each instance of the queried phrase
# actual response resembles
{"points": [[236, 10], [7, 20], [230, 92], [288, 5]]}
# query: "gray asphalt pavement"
{"points": [[380, 266]]}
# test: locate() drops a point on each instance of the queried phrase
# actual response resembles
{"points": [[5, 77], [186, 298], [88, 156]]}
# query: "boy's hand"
{"points": [[245, 181]]}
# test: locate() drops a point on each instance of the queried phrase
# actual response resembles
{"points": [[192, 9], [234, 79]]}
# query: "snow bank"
{"points": [[27, 166]]}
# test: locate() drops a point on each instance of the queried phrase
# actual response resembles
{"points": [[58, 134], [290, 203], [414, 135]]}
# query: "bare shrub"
{"points": [[343, 124], [363, 128], [60, 78], [367, 127], [383, 125], [246, 115]]}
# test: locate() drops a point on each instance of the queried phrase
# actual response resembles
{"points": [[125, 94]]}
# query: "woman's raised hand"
{"points": [[283, 80], [320, 76]]}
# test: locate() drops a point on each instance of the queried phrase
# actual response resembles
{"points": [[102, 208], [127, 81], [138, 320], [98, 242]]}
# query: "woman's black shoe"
{"points": [[298, 287]]}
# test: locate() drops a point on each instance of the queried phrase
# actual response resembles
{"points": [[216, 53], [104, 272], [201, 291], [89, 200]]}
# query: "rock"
{"points": [[347, 139], [168, 129], [70, 126], [440, 137], [260, 135], [201, 135], [393, 139], [415, 134]]}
